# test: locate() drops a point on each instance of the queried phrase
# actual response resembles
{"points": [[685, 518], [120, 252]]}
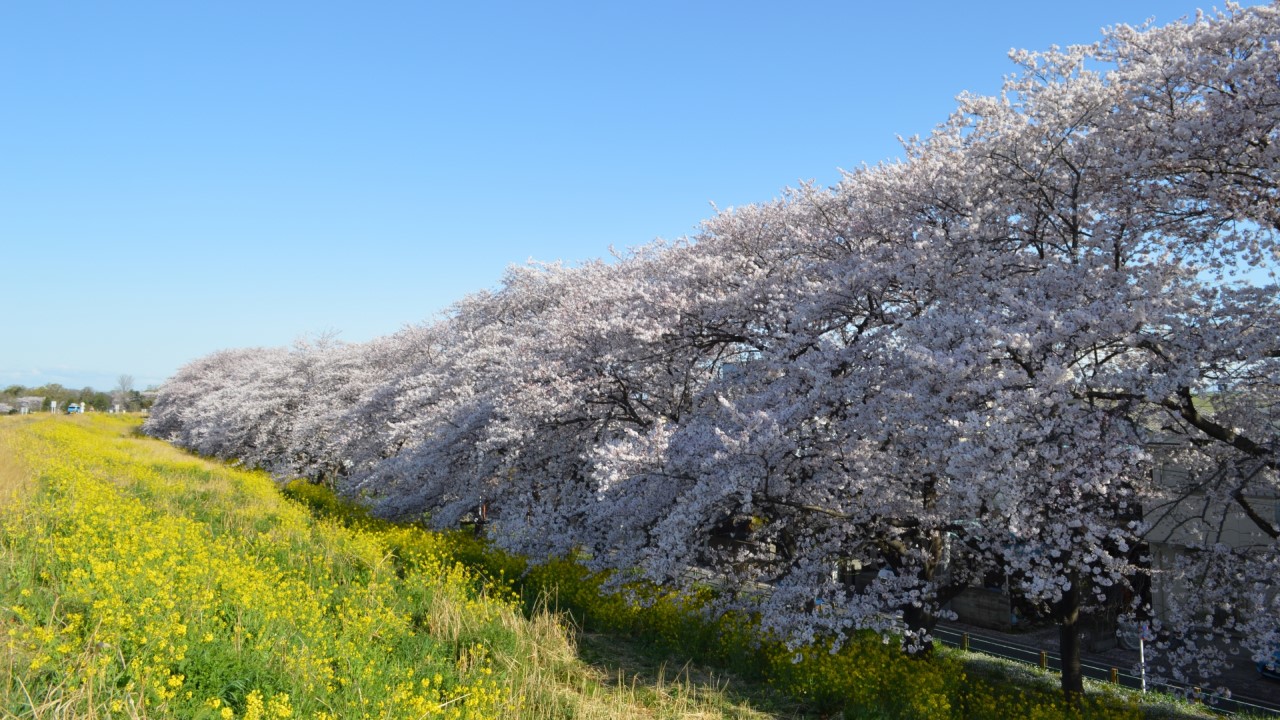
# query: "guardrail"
{"points": [[1045, 660]]}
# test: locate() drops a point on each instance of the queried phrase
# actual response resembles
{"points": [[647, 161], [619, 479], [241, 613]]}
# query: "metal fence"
{"points": [[1045, 660]]}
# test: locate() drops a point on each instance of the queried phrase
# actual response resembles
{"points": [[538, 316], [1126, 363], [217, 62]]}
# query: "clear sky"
{"points": [[182, 177]]}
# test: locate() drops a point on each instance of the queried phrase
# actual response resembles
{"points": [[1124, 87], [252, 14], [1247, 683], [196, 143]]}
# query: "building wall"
{"points": [[1192, 516]]}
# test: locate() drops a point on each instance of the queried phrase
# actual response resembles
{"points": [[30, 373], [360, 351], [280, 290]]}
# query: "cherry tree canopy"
{"points": [[956, 364]]}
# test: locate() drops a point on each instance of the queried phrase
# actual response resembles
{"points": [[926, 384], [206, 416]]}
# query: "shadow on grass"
{"points": [[649, 672]]}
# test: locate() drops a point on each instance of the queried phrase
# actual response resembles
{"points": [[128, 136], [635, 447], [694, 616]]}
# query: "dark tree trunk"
{"points": [[1068, 612], [921, 621]]}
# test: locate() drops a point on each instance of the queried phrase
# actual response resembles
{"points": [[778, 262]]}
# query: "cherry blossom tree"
{"points": [[982, 358], [221, 405]]}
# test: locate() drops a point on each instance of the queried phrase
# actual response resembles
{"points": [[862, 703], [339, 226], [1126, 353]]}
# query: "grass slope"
{"points": [[137, 581]]}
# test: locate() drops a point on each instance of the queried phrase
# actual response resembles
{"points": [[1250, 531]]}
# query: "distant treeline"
{"points": [[38, 398]]}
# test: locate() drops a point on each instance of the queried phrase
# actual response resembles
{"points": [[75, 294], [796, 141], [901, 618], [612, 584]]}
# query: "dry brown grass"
{"points": [[555, 682]]}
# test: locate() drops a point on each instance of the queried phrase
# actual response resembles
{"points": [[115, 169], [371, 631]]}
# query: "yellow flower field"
{"points": [[139, 582]]}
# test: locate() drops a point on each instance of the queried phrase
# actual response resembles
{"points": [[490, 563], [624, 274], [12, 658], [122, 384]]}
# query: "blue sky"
{"points": [[179, 178]]}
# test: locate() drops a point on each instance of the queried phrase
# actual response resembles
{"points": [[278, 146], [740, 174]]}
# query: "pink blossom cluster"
{"points": [[968, 364]]}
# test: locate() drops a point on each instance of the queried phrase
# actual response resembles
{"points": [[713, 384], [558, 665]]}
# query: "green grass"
{"points": [[138, 581]]}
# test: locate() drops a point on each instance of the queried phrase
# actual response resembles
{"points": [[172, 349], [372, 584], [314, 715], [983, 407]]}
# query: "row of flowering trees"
{"points": [[945, 366]]}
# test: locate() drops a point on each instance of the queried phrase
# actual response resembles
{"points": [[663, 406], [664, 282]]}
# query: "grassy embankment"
{"points": [[137, 581]]}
